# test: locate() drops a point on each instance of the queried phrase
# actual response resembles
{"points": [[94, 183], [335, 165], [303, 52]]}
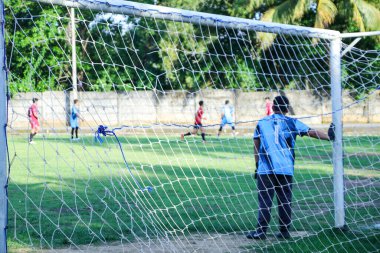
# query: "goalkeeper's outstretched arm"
{"points": [[329, 136]]}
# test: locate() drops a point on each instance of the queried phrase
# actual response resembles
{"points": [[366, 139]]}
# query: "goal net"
{"points": [[127, 182]]}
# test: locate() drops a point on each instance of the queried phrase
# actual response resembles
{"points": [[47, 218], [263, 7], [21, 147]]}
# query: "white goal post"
{"points": [[3, 142]]}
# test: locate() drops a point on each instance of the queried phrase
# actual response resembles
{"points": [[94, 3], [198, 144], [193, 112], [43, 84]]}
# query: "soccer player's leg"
{"points": [[34, 130], [195, 130], [265, 196], [74, 128], [233, 128], [284, 200], [31, 134], [222, 124], [203, 134]]}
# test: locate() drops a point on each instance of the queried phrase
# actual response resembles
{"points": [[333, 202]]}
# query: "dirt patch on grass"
{"points": [[207, 243], [363, 154], [359, 183]]}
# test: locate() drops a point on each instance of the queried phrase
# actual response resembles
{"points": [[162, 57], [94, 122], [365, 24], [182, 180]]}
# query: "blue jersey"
{"points": [[74, 117], [228, 112], [277, 134]]}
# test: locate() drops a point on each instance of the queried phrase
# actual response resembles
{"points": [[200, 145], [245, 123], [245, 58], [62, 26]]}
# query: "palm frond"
{"points": [[299, 10], [287, 12], [370, 15], [266, 39], [357, 16], [326, 12], [246, 8]]}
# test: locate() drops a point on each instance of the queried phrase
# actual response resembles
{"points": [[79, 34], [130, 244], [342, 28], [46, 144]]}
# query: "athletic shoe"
{"points": [[257, 235], [283, 235], [31, 142]]}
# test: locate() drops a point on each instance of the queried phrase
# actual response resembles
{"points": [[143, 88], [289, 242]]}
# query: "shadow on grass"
{"points": [[58, 212]]}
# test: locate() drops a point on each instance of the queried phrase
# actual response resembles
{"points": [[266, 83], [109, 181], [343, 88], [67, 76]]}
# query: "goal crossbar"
{"points": [[174, 14]]}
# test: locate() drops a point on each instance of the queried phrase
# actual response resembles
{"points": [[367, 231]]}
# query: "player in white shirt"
{"points": [[227, 117]]}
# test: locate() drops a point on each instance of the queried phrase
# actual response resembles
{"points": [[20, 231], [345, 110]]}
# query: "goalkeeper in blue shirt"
{"points": [[274, 141], [227, 117]]}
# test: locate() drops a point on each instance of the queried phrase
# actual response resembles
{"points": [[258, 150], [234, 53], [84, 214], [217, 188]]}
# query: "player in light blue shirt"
{"points": [[74, 118], [277, 134], [227, 117], [274, 142]]}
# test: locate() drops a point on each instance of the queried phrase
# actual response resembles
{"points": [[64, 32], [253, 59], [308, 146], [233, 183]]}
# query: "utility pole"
{"points": [[74, 77]]}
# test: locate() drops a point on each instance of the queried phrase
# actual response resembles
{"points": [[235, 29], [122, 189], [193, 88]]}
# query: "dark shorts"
{"points": [[197, 126]]}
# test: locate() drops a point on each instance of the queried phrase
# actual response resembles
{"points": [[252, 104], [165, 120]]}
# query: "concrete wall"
{"points": [[148, 107]]}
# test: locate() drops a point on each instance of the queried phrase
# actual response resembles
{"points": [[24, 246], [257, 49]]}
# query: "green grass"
{"points": [[64, 193]]}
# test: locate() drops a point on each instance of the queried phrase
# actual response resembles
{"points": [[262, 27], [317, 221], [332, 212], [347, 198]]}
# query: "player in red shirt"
{"points": [[198, 123], [268, 107], [33, 119]]}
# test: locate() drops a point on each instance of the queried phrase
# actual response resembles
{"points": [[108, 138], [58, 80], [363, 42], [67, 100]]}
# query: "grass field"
{"points": [[63, 193]]}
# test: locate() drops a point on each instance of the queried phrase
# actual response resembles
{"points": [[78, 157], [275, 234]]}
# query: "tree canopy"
{"points": [[122, 53]]}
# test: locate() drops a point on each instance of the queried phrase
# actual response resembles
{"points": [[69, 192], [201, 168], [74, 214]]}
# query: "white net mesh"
{"points": [[143, 78]]}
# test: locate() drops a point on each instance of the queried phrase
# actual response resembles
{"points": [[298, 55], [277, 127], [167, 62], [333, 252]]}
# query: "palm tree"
{"points": [[364, 14]]}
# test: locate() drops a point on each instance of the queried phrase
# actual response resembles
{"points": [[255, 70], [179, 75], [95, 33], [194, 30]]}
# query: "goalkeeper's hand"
{"points": [[331, 132], [257, 166]]}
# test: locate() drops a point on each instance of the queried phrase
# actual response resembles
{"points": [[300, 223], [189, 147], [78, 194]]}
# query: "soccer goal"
{"points": [[129, 127]]}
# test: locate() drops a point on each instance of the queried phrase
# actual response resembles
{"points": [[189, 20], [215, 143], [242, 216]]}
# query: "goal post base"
{"points": [[344, 229]]}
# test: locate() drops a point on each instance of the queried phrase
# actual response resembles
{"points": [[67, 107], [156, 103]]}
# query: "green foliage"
{"points": [[154, 54], [37, 48]]}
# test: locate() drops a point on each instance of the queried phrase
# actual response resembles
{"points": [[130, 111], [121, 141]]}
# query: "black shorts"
{"points": [[197, 126]]}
